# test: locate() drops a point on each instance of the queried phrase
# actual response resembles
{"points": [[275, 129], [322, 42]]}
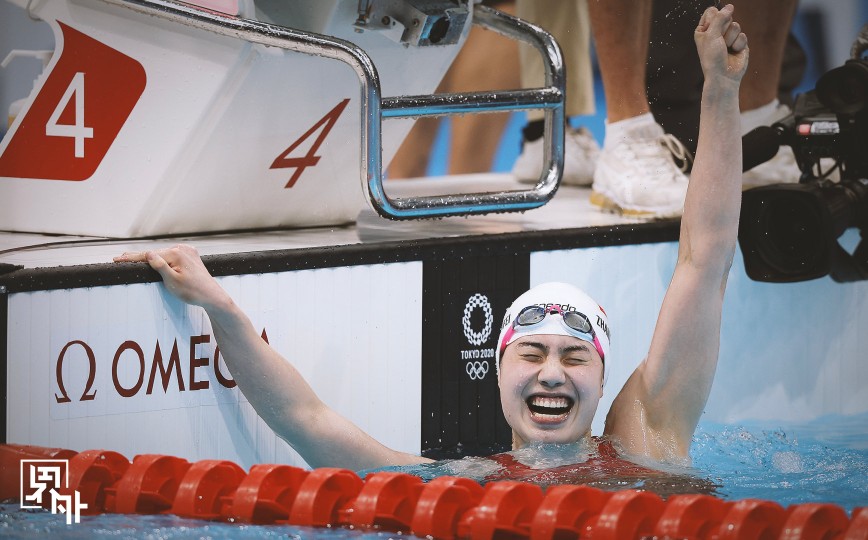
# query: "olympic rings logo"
{"points": [[477, 370], [477, 301]]}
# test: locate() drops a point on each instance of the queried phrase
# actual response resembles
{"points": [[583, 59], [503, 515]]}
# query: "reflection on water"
{"points": [[822, 461], [16, 524]]}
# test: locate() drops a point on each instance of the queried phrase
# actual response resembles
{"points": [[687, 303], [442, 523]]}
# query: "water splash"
{"points": [[789, 464]]}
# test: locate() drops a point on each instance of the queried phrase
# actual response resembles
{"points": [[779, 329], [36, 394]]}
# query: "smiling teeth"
{"points": [[550, 402]]}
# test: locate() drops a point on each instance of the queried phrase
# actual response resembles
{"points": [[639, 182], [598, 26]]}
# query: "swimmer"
{"points": [[554, 345]]}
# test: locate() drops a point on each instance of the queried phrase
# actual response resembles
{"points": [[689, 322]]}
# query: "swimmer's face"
{"points": [[550, 387]]}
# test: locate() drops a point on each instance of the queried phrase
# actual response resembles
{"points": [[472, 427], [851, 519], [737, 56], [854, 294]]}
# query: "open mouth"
{"points": [[549, 407]]}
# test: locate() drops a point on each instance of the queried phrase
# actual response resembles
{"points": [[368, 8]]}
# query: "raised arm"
{"points": [[656, 412], [277, 391]]}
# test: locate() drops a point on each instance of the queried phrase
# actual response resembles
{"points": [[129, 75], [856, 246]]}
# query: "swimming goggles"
{"points": [[578, 324]]}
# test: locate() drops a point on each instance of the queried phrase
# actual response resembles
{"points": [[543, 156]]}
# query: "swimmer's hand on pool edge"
{"points": [[271, 384], [184, 275]]}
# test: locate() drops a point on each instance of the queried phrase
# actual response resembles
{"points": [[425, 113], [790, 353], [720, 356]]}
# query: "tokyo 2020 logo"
{"points": [[480, 337]]}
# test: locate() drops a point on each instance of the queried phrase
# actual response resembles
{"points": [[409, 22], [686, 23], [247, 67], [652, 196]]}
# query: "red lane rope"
{"points": [[447, 507]]}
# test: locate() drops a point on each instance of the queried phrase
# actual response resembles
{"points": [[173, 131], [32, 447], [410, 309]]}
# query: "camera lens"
{"points": [[789, 234], [845, 89]]}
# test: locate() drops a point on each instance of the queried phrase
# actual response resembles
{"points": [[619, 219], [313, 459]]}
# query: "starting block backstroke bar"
{"points": [[374, 108]]}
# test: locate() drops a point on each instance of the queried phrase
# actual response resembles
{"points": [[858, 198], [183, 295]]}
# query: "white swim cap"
{"points": [[555, 298]]}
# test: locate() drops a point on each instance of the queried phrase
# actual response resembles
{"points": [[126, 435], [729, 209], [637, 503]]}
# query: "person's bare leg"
{"points": [[487, 61], [636, 174], [621, 31], [767, 25], [569, 24], [411, 160], [490, 63]]}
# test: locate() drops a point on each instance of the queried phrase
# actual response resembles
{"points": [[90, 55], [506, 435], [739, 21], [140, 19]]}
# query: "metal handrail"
{"points": [[373, 109], [549, 98]]}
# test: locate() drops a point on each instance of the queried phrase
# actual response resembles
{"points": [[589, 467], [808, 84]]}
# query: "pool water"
{"points": [[16, 524], [822, 461], [825, 460]]}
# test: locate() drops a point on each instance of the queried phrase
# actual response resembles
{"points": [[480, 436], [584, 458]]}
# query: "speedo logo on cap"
{"points": [[564, 307]]}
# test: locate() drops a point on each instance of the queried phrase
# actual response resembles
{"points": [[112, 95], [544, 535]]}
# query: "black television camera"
{"points": [[789, 232]]}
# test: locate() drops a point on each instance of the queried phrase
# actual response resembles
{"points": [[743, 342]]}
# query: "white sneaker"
{"points": [[580, 158], [782, 168], [636, 175]]}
